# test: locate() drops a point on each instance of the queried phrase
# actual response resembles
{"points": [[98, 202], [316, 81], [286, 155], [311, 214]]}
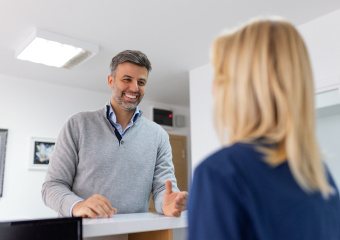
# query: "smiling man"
{"points": [[110, 160]]}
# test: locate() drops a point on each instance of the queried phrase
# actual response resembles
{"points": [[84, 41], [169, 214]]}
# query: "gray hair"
{"points": [[132, 56]]}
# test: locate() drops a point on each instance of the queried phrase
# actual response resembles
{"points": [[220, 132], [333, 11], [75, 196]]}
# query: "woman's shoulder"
{"points": [[229, 160], [232, 153]]}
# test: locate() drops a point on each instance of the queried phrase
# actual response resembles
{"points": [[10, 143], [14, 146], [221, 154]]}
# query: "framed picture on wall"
{"points": [[42, 149], [3, 142]]}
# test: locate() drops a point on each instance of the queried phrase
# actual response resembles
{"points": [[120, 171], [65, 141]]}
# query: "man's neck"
{"points": [[123, 116]]}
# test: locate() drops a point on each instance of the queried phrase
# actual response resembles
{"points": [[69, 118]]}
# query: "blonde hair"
{"points": [[263, 88]]}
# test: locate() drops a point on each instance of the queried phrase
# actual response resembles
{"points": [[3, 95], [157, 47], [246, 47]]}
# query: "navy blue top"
{"points": [[236, 195]]}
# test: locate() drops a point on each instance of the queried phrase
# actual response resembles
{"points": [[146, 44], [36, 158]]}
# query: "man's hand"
{"points": [[94, 207], [174, 202]]}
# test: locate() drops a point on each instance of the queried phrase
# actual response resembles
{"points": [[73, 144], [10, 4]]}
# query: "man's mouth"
{"points": [[131, 96]]}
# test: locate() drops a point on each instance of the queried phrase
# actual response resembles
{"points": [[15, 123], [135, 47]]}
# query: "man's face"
{"points": [[127, 84]]}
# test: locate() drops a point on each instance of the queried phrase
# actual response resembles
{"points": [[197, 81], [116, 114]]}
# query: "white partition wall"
{"points": [[203, 136]]}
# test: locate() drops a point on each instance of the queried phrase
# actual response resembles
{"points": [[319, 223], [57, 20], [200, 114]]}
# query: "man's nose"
{"points": [[134, 86]]}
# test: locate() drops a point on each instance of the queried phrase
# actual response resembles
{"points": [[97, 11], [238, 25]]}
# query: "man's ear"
{"points": [[109, 80]]}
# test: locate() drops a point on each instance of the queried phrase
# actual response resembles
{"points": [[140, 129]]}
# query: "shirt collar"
{"points": [[113, 116]]}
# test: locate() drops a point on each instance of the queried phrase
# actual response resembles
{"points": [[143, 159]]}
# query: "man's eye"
{"points": [[141, 83]]}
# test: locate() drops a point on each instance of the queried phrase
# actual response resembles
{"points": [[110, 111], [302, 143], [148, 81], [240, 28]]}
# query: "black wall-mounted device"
{"points": [[163, 117]]}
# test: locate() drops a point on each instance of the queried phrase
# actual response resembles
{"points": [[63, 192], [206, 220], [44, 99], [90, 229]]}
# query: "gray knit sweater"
{"points": [[88, 159]]}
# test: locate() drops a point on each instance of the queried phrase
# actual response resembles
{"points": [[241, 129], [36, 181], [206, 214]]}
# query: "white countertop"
{"points": [[130, 223]]}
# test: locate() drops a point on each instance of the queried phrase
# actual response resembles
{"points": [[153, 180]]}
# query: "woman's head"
{"points": [[263, 88], [263, 81]]}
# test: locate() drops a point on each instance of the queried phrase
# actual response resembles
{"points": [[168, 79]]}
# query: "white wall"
{"points": [[35, 109], [322, 36], [328, 131]]}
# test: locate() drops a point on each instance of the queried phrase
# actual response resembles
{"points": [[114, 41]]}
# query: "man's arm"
{"points": [[56, 190], [165, 190]]}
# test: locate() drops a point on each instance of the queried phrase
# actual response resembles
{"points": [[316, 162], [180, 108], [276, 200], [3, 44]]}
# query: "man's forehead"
{"points": [[130, 65], [131, 69]]}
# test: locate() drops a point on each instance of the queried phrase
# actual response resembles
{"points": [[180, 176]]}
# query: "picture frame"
{"points": [[3, 143], [42, 149]]}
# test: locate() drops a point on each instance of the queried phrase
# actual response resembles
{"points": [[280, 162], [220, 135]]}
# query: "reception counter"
{"points": [[136, 226]]}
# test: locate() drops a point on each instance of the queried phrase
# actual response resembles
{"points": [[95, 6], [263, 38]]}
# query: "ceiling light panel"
{"points": [[55, 50]]}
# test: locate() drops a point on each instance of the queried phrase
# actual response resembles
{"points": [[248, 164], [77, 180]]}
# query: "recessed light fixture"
{"points": [[55, 50]]}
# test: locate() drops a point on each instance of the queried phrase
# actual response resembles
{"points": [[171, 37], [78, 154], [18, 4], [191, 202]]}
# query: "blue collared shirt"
{"points": [[117, 125]]}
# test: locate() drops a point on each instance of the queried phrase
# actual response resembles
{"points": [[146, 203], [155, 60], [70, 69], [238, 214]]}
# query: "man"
{"points": [[110, 160]]}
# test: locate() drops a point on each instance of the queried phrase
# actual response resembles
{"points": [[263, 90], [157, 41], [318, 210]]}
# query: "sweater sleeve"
{"points": [[164, 170], [57, 187], [214, 207]]}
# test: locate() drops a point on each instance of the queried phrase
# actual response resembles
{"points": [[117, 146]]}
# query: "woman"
{"points": [[269, 183]]}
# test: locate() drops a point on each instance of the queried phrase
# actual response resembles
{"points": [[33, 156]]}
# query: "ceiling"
{"points": [[175, 34]]}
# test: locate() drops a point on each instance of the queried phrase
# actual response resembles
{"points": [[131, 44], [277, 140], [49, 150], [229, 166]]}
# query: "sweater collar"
{"points": [[112, 115]]}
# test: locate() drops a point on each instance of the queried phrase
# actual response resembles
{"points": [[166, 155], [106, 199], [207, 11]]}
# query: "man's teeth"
{"points": [[130, 96]]}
